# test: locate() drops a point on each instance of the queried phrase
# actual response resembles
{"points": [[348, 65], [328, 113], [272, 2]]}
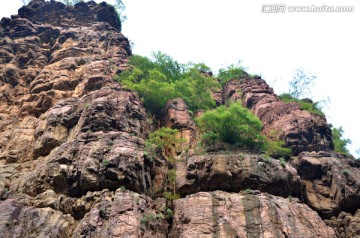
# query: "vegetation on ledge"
{"points": [[306, 104], [164, 78]]}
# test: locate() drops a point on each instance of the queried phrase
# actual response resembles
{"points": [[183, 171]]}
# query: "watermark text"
{"points": [[282, 8]]}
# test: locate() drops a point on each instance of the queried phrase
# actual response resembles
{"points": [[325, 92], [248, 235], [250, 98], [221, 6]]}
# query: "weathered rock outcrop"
{"points": [[331, 182], [346, 225], [252, 214], [108, 214], [124, 214], [301, 130], [48, 63], [237, 172], [72, 161], [17, 220], [81, 14], [177, 116]]}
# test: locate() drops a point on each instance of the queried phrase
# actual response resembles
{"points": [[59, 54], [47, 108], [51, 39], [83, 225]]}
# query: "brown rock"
{"points": [[177, 116], [301, 130], [346, 224], [331, 184], [252, 214], [58, 14], [123, 214], [21, 221], [72, 147], [236, 172], [46, 64], [92, 143]]}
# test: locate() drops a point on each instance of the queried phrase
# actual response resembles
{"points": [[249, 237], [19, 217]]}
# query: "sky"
{"points": [[273, 45]]}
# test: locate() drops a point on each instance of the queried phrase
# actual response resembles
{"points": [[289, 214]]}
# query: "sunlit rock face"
{"points": [[301, 130], [250, 214], [74, 161]]}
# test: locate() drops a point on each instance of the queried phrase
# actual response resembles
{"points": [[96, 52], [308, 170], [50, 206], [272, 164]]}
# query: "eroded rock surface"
{"points": [[331, 182], [72, 160], [17, 220], [301, 130], [346, 224], [124, 214], [236, 172], [177, 116], [252, 214], [49, 63]]}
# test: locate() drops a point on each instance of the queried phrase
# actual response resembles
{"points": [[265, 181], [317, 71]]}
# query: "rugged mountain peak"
{"points": [[58, 14]]}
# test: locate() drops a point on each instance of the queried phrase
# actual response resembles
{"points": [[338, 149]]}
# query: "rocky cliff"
{"points": [[72, 157]]}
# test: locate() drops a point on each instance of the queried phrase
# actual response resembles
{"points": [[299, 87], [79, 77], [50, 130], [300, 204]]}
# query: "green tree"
{"points": [[234, 125], [300, 86], [357, 152], [164, 78], [163, 139], [233, 71], [120, 8], [168, 66], [340, 143]]}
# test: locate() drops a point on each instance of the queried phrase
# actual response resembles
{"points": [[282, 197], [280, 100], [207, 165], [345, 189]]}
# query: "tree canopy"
{"points": [[340, 143], [163, 78]]}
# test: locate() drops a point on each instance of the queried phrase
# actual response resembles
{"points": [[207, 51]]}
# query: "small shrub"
{"points": [[275, 147], [163, 138], [345, 172], [282, 162], [290, 198], [171, 176], [241, 156], [305, 104], [144, 220], [234, 125], [169, 214], [105, 163], [160, 216], [340, 143], [152, 217], [5, 190], [248, 190], [231, 72], [171, 196], [148, 218], [86, 106]]}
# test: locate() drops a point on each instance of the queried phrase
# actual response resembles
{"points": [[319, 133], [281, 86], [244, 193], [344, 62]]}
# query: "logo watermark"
{"points": [[282, 8]]}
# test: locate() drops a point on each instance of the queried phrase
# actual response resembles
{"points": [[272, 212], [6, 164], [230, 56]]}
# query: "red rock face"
{"points": [[301, 130], [58, 14], [331, 182], [177, 116], [45, 64], [237, 172], [72, 158], [220, 214]]}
